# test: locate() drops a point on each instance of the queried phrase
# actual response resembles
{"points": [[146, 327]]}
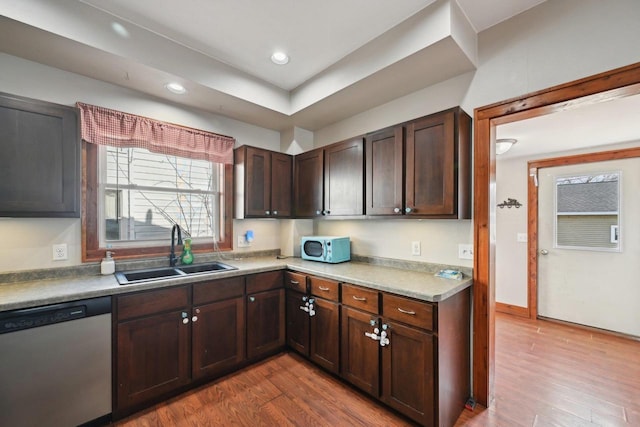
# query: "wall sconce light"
{"points": [[504, 144]]}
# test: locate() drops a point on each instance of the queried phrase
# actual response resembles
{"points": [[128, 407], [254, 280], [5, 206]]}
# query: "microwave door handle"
{"points": [[324, 250]]}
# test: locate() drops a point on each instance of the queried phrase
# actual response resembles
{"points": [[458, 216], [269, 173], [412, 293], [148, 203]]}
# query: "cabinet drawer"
{"points": [[295, 281], [151, 302], [362, 298], [264, 281], [217, 290], [409, 311], [324, 288]]}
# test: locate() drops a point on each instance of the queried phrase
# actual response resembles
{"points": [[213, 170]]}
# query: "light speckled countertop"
{"points": [[417, 284]]}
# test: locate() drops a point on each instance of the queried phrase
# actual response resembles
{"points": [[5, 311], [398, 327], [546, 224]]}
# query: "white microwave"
{"points": [[331, 249]]}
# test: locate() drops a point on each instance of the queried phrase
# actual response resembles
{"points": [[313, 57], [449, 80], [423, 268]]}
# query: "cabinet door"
{"points": [[218, 337], [152, 357], [360, 354], [40, 161], [308, 182], [431, 180], [258, 179], [265, 323], [297, 322], [407, 373], [281, 176], [384, 157], [325, 334], [344, 178]]}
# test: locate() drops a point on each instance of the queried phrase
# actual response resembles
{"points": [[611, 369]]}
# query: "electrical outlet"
{"points": [[60, 252], [521, 237], [242, 242], [415, 247], [465, 251]]}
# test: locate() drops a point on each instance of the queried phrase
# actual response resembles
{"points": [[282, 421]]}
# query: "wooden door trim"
{"points": [[532, 213], [605, 86]]}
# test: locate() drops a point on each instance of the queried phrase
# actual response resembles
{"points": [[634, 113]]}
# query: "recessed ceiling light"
{"points": [[120, 30], [279, 58], [176, 88]]}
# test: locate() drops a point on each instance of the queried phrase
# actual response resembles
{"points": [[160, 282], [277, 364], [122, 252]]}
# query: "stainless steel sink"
{"points": [[150, 274]]}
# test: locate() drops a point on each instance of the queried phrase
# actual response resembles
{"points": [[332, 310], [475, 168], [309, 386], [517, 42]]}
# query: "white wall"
{"points": [[553, 43], [29, 241]]}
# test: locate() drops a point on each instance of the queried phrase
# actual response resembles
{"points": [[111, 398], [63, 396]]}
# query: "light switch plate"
{"points": [[242, 242]]}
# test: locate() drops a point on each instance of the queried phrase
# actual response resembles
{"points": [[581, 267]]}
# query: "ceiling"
{"points": [[588, 126], [346, 57]]}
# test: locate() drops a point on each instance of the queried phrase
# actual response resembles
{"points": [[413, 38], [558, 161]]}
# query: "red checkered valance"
{"points": [[110, 127]]}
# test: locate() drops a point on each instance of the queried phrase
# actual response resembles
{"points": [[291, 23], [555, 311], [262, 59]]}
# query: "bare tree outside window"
{"points": [[146, 193]]}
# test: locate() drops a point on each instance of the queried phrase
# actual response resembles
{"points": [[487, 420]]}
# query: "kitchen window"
{"points": [[145, 194], [588, 212], [141, 177]]}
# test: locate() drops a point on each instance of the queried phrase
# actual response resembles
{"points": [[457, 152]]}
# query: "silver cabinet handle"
{"points": [[544, 252], [194, 319], [275, 212], [408, 210], [317, 212], [267, 213], [322, 288], [413, 313], [396, 210], [294, 282], [357, 298], [197, 311], [185, 320], [185, 317], [252, 299]]}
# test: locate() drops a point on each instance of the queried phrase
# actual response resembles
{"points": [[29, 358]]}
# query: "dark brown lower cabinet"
{"points": [[408, 372], [218, 337], [360, 354], [152, 357], [298, 322], [265, 323], [324, 347]]}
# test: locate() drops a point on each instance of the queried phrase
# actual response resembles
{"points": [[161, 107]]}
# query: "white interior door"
{"points": [[584, 275]]}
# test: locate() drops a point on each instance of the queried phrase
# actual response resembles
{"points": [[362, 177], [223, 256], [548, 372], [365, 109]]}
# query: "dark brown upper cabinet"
{"points": [[344, 178], [438, 166], [329, 181], [421, 168], [308, 183], [262, 183], [385, 160], [40, 161]]}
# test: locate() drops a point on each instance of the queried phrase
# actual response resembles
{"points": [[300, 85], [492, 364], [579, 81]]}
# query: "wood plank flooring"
{"points": [[547, 374], [551, 374]]}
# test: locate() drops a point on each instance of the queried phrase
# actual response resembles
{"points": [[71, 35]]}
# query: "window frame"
{"points": [[618, 213], [91, 249]]}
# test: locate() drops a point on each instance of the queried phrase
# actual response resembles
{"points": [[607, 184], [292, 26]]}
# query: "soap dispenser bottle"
{"points": [[187, 256], [108, 265]]}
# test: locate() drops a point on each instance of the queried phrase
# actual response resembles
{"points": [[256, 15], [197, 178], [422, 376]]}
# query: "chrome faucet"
{"points": [[172, 256]]}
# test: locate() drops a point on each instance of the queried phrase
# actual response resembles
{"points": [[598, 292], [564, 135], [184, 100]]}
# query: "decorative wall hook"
{"points": [[509, 203]]}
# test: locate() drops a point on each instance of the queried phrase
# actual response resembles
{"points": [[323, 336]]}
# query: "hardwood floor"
{"points": [[551, 374], [547, 374]]}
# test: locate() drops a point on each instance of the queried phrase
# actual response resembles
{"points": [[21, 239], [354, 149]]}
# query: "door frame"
{"points": [[614, 84], [532, 212]]}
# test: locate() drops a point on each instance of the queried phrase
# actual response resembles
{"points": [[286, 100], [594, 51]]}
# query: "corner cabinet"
{"points": [[421, 168], [40, 162], [263, 183]]}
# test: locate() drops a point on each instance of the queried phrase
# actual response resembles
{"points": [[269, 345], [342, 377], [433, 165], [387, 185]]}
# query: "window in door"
{"points": [[588, 212]]}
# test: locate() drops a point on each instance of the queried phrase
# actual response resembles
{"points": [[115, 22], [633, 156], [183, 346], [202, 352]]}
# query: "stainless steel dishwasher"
{"points": [[55, 364]]}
